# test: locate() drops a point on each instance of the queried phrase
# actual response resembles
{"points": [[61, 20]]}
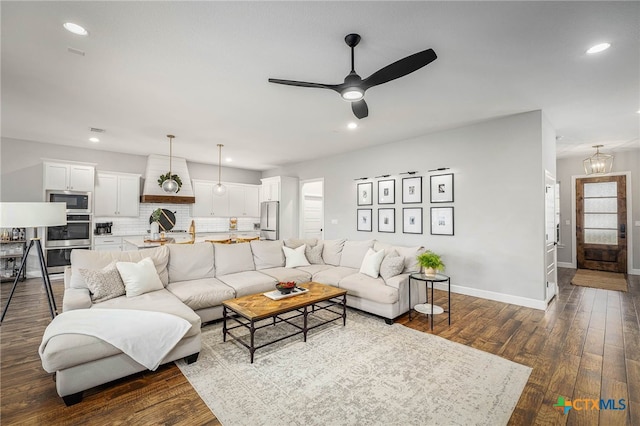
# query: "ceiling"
{"points": [[199, 70]]}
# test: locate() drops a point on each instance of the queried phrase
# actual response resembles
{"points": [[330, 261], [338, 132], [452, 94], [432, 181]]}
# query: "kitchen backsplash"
{"points": [[140, 225]]}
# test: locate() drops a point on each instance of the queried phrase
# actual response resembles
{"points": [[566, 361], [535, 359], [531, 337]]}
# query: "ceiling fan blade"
{"points": [[303, 84], [360, 109], [400, 68]]}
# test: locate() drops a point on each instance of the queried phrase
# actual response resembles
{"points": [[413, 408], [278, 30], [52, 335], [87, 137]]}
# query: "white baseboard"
{"points": [[498, 297], [634, 271]]}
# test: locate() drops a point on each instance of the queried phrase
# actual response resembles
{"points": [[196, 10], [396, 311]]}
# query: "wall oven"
{"points": [[60, 240], [77, 202]]}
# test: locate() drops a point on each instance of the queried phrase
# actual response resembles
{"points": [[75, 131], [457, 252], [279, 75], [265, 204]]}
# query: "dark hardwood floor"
{"points": [[586, 345]]}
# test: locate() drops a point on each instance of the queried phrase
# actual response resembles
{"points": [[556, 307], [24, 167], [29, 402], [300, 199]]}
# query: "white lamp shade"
{"points": [[32, 215]]}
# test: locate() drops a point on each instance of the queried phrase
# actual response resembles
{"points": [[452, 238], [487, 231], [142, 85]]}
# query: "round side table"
{"points": [[429, 308]]}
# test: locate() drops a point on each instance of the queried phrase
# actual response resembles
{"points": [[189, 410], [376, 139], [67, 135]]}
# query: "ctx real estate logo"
{"points": [[586, 404]]}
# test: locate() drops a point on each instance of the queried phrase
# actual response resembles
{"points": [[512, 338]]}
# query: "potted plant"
{"points": [[431, 262]]}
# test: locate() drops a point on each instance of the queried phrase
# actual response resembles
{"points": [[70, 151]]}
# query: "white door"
{"points": [[312, 209], [551, 225]]}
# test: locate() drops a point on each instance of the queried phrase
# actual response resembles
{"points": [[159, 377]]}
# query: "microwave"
{"points": [[76, 202]]}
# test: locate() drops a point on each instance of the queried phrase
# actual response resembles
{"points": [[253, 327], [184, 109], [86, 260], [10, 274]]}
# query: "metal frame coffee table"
{"points": [[247, 311]]}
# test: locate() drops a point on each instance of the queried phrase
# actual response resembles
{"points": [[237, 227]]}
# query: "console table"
{"points": [[429, 308]]}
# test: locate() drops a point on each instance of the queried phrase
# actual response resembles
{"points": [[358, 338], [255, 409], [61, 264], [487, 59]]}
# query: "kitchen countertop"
{"points": [[180, 237]]}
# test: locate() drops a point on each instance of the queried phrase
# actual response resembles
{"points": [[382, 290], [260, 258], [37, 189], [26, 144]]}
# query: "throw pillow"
{"points": [[295, 257], [104, 284], [371, 263], [139, 278], [392, 265], [314, 254]]}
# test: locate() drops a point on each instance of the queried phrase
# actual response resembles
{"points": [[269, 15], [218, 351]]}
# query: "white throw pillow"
{"points": [[295, 257], [371, 263], [139, 278]]}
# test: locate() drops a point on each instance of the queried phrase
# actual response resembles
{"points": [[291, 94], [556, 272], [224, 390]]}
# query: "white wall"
{"points": [[624, 161], [21, 163], [498, 246]]}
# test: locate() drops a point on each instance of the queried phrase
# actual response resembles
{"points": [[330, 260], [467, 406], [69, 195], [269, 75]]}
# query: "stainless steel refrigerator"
{"points": [[269, 217]]}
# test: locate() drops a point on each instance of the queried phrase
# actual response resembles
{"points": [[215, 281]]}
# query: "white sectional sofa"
{"points": [[196, 278]]}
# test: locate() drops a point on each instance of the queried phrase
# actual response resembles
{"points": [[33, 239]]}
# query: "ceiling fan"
{"points": [[354, 86]]}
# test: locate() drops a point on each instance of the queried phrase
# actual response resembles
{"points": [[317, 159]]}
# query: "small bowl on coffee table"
{"points": [[286, 288]]}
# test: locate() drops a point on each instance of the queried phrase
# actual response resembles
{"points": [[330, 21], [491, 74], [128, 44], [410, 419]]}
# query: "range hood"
{"points": [[158, 165]]}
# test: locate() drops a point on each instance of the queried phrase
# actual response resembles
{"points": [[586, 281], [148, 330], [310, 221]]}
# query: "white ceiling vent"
{"points": [[96, 130], [75, 51]]}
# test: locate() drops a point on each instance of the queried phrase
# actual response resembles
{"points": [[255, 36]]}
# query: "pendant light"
{"points": [[598, 163], [170, 185], [220, 189]]}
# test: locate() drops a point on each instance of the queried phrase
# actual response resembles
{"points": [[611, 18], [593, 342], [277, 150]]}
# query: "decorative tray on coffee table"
{"points": [[276, 295]]}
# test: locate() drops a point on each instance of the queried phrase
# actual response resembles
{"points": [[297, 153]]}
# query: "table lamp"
{"points": [[33, 215]]}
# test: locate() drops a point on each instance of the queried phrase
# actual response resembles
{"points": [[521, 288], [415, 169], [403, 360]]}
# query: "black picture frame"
{"points": [[412, 190], [442, 188], [387, 191], [412, 220], [442, 222], [387, 220], [365, 194], [364, 220]]}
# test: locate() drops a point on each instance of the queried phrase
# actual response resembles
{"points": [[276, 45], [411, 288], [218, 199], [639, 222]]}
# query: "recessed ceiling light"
{"points": [[228, 160], [94, 140], [598, 48], [352, 125], [638, 111], [75, 28]]}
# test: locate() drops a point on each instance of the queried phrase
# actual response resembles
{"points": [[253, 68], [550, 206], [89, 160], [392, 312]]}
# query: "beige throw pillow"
{"points": [[314, 254], [104, 284], [392, 265]]}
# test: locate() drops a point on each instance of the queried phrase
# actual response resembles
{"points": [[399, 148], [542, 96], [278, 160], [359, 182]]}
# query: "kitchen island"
{"points": [[138, 242]]}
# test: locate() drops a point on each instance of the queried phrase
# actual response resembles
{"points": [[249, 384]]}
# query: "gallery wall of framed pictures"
{"points": [[411, 197], [441, 193]]}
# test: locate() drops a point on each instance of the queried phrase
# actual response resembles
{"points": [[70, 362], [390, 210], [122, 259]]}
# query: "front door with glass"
{"points": [[601, 223]]}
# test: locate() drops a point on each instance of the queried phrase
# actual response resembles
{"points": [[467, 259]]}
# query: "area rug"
{"points": [[600, 279], [366, 373]]}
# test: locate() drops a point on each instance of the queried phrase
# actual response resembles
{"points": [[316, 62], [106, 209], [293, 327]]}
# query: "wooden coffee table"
{"points": [[250, 309]]}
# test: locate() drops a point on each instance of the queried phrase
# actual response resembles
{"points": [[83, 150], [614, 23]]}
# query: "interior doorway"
{"points": [[312, 208], [601, 223], [552, 214]]}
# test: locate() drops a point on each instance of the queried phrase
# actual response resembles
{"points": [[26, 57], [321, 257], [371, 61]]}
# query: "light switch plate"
{"points": [[567, 222]]}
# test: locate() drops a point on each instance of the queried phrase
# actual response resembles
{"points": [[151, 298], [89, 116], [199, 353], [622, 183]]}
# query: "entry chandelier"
{"points": [[598, 163], [219, 189], [170, 185]]}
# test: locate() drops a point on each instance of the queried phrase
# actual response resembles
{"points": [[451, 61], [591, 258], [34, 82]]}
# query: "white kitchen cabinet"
{"points": [[270, 189], [285, 190], [207, 203], [68, 177], [117, 194], [107, 243], [244, 200]]}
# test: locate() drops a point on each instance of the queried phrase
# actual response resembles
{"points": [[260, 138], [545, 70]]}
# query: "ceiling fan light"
{"points": [[352, 94]]}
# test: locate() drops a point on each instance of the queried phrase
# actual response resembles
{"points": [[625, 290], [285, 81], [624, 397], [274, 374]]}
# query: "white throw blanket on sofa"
{"points": [[145, 336]]}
